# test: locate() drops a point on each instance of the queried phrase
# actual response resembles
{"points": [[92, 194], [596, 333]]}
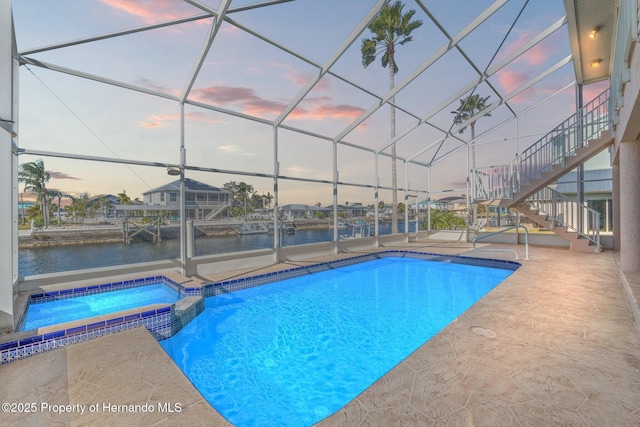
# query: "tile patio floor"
{"points": [[556, 344]]}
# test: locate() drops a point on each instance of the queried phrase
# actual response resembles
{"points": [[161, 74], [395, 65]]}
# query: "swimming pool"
{"points": [[52, 308], [293, 352]]}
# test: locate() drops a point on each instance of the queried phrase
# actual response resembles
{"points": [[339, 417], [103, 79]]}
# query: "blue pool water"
{"points": [[293, 352], [66, 310]]}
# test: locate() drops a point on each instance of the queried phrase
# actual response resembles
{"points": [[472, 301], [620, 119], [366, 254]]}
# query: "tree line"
{"points": [[48, 201]]}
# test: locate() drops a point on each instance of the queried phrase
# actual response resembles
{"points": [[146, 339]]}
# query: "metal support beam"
{"points": [[426, 64], [332, 60], [8, 172], [204, 51]]}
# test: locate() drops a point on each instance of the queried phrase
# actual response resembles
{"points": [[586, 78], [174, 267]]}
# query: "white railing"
{"points": [[496, 182], [626, 35], [477, 238], [502, 182], [566, 212], [563, 141]]}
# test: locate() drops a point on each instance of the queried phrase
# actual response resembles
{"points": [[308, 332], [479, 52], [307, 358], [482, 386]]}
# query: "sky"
{"points": [[256, 81]]}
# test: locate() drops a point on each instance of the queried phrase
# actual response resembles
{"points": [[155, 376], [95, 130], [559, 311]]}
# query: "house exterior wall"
{"points": [[627, 157]]}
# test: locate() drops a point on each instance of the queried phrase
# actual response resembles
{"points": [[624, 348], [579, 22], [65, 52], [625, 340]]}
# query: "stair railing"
{"points": [[501, 182], [566, 212], [563, 141]]}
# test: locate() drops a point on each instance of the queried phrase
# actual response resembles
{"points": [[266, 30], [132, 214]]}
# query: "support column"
{"points": [[376, 208], [276, 203], [406, 202], [184, 270], [336, 178], [616, 207], [8, 169], [630, 206]]}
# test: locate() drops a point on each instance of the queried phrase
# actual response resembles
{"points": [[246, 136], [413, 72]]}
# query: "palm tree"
{"points": [[35, 179], [59, 195], [469, 107], [390, 28], [123, 199]]}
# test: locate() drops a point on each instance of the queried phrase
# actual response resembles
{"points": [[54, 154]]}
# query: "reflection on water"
{"points": [[66, 258]]}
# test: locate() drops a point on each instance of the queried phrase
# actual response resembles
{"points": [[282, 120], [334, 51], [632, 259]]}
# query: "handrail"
{"points": [[567, 212], [526, 241], [501, 182], [563, 141]]}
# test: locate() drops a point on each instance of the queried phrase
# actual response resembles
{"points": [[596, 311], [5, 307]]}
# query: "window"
{"points": [[173, 197], [162, 197]]}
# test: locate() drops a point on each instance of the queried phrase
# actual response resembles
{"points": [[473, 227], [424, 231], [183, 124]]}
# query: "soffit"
{"points": [[583, 16]]}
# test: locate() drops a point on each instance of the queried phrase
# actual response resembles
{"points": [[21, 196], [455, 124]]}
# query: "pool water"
{"points": [[293, 352], [82, 307]]}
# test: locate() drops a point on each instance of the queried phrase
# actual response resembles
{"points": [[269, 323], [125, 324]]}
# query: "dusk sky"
{"points": [[245, 75]]}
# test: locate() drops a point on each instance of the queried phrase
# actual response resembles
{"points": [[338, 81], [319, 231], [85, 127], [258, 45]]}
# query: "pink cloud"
{"points": [[511, 80], [150, 84], [151, 11], [536, 55], [155, 120], [595, 89], [246, 99], [322, 112], [299, 78]]}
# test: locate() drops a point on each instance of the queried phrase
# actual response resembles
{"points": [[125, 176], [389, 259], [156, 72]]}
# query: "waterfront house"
{"points": [[298, 211], [202, 201]]}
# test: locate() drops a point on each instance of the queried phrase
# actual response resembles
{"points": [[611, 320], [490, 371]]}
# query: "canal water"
{"points": [[32, 261]]}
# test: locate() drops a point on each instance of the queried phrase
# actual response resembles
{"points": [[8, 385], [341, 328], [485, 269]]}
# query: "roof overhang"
{"points": [[592, 56]]}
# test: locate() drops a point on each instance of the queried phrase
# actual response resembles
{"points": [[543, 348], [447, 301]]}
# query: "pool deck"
{"points": [[557, 343]]}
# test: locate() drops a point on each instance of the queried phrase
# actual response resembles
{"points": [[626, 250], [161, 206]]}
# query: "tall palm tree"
{"points": [[35, 178], [390, 27], [469, 107]]}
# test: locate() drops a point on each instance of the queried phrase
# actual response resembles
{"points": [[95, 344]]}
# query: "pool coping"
{"points": [[232, 285], [164, 321]]}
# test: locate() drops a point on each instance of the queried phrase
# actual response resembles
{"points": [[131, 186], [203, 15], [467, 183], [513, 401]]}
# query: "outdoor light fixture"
{"points": [[595, 63], [593, 34], [173, 171]]}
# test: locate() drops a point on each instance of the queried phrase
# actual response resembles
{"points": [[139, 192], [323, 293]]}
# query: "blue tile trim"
{"points": [[226, 286], [8, 345], [52, 335], [76, 330], [104, 287], [164, 322], [116, 321], [94, 326], [131, 317], [30, 340], [158, 322]]}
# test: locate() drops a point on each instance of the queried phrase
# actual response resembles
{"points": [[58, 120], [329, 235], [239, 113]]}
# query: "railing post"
{"points": [[554, 211]]}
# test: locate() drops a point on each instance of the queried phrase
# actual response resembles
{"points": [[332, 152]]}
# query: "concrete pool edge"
{"points": [[474, 267], [511, 385], [231, 285]]}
